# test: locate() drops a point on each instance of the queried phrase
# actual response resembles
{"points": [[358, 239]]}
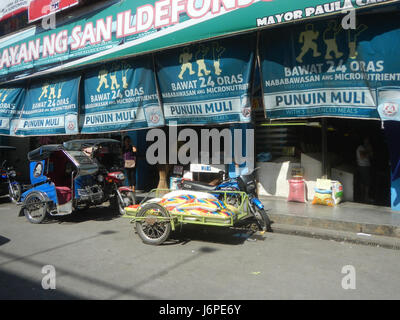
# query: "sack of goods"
{"points": [[328, 192], [297, 190], [337, 192]]}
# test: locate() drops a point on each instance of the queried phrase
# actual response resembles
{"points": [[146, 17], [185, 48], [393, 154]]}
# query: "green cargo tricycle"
{"points": [[163, 210]]}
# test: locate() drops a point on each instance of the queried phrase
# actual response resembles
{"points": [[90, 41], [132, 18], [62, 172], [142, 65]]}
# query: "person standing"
{"points": [[129, 156], [364, 155]]}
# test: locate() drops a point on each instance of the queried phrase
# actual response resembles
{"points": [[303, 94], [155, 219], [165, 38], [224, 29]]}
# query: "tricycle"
{"points": [[155, 217], [108, 156], [62, 181]]}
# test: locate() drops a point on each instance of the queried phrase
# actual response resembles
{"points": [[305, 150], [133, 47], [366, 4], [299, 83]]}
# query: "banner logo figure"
{"points": [[308, 37]]}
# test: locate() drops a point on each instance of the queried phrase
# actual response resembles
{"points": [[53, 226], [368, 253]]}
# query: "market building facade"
{"points": [[312, 79]]}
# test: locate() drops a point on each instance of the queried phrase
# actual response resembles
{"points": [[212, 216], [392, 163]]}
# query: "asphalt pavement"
{"points": [[97, 255]]}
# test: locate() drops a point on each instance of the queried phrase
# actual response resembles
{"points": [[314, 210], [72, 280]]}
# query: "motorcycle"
{"points": [[107, 154], [8, 183], [8, 175], [244, 183]]}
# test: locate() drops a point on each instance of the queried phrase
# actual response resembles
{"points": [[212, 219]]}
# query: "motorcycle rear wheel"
{"points": [[263, 220]]}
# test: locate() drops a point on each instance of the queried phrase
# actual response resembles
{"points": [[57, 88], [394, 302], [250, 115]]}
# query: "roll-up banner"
{"points": [[320, 69], [121, 96], [10, 100], [50, 108], [207, 83]]}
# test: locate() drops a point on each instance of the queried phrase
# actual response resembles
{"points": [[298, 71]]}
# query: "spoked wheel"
{"points": [[152, 230], [262, 219], [35, 209], [14, 191], [128, 198], [233, 199]]}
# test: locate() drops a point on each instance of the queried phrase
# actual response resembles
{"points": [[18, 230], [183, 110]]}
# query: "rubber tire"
{"points": [[43, 216], [265, 220], [139, 228], [132, 200], [19, 192]]}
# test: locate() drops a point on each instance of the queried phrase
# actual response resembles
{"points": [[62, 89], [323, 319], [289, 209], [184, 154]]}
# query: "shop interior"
{"points": [[304, 143]]}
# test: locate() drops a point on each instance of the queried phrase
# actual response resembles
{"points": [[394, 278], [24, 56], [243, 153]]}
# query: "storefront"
{"points": [[322, 84], [189, 64]]}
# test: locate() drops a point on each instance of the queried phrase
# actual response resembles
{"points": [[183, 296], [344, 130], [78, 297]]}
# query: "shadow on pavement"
{"points": [[220, 235], [4, 199], [100, 213], [3, 240], [15, 287]]}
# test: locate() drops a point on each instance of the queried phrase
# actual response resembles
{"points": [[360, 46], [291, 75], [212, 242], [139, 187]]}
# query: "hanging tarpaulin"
{"points": [[321, 70], [50, 108], [207, 83], [10, 101], [121, 96]]}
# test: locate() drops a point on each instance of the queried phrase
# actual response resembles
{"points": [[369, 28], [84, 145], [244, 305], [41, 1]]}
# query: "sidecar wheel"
{"points": [[151, 230], [35, 209]]}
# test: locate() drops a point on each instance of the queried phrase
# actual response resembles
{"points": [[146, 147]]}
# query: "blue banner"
{"points": [[207, 83], [50, 108], [322, 70], [10, 100], [121, 96]]}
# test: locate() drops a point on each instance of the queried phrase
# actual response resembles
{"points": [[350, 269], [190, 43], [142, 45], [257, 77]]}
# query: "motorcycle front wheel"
{"points": [[14, 191], [128, 198]]}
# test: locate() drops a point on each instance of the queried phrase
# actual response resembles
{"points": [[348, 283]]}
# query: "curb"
{"points": [[339, 236], [336, 225]]}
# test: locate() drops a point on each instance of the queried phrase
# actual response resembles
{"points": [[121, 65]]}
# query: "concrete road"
{"points": [[97, 255]]}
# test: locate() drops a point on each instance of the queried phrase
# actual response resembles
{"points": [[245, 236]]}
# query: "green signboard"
{"points": [[133, 27]]}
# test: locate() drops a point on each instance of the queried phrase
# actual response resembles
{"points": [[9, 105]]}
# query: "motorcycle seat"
{"points": [[196, 185], [64, 195]]}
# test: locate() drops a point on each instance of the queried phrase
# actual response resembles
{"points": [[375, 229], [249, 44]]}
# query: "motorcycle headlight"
{"points": [[120, 176], [100, 178]]}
